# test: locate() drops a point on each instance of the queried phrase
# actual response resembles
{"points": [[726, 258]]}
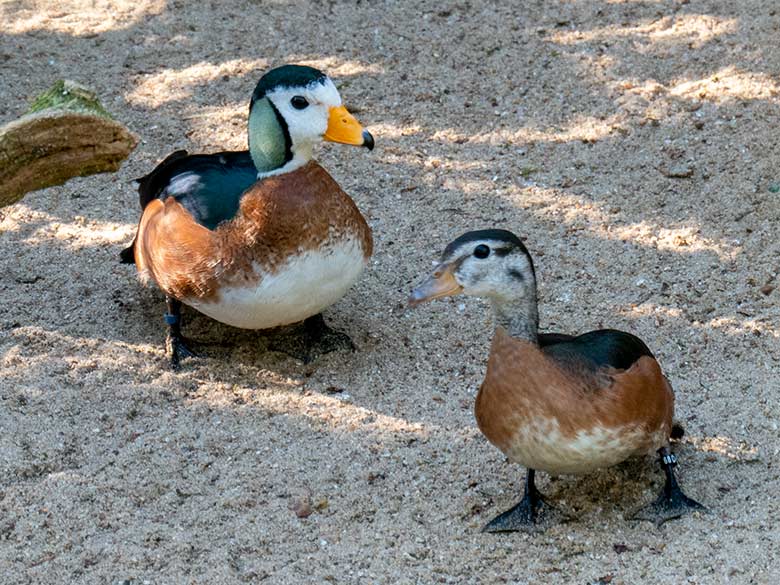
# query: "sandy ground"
{"points": [[635, 145]]}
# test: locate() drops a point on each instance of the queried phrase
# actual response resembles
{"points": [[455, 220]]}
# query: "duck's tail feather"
{"points": [[127, 256], [678, 432], [149, 186]]}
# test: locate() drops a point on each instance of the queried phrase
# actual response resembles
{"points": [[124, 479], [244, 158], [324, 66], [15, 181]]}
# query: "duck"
{"points": [[555, 402], [261, 238]]}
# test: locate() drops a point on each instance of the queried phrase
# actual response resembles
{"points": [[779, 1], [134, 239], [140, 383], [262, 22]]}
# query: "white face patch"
{"points": [[306, 126]]}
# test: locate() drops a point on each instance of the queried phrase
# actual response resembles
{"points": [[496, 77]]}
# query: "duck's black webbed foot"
{"points": [[177, 350], [174, 342], [310, 340], [520, 517], [672, 503], [524, 515]]}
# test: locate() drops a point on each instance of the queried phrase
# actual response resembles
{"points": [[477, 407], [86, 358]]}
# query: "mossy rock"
{"points": [[66, 133]]}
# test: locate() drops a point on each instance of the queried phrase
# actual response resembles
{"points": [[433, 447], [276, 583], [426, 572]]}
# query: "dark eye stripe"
{"points": [[516, 274]]}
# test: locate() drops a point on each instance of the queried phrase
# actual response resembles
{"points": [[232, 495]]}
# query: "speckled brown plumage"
{"points": [[279, 216]]}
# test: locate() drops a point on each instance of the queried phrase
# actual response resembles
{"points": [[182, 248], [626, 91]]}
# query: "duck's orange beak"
{"points": [[441, 283], [345, 129]]}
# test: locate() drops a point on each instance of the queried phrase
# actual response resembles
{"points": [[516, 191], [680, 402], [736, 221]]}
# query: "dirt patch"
{"points": [[634, 144]]}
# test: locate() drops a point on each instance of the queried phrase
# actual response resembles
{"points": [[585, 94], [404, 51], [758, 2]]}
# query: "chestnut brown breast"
{"points": [[550, 416], [278, 217]]}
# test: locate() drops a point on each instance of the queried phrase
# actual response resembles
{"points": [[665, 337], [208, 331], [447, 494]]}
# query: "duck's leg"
{"points": [[672, 503], [523, 515], [174, 342], [321, 339], [314, 338]]}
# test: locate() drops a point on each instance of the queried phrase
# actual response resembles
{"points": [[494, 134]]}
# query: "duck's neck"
{"points": [[520, 317], [300, 157], [270, 146]]}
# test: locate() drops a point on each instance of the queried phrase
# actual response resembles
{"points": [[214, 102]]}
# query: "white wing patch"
{"points": [[183, 183]]}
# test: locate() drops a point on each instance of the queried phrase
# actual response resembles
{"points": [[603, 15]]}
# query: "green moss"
{"points": [[526, 172], [70, 96]]}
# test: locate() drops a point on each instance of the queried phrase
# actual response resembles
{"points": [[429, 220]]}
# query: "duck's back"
{"points": [[209, 186], [575, 404]]}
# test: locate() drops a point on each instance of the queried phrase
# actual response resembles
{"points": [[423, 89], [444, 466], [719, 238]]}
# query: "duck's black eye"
{"points": [[299, 102], [481, 251]]}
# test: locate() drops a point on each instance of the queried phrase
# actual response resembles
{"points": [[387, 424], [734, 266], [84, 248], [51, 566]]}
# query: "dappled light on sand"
{"points": [[578, 128], [339, 68], [633, 145], [733, 325], [727, 84], [172, 84], [584, 214], [726, 447], [335, 413], [742, 326], [76, 17], [81, 232], [693, 29]]}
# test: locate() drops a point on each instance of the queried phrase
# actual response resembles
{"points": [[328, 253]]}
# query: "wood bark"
{"points": [[66, 133]]}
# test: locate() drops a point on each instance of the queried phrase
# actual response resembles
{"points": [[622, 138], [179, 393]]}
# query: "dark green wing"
{"points": [[209, 186], [597, 349]]}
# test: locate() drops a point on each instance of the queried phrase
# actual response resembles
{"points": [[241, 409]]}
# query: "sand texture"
{"points": [[635, 145]]}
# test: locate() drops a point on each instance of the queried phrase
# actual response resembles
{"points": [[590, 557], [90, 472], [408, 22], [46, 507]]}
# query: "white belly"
{"points": [[545, 448], [302, 287]]}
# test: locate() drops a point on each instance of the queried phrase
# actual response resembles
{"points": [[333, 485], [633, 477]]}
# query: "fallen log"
{"points": [[66, 133]]}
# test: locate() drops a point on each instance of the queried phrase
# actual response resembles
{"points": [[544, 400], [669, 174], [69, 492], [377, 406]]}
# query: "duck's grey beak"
{"points": [[441, 283]]}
